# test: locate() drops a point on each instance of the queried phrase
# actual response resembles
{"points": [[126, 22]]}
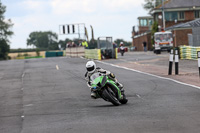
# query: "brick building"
{"points": [[186, 33], [177, 13], [143, 33]]}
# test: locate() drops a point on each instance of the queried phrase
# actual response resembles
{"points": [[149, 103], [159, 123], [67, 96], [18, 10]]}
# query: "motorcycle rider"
{"points": [[122, 50], [91, 69], [121, 44]]}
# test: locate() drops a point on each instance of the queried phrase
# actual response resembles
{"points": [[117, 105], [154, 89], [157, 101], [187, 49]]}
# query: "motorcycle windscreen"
{"points": [[103, 81], [96, 78]]}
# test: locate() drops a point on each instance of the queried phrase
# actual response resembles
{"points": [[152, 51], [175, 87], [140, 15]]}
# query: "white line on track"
{"points": [[23, 75], [57, 67], [138, 95], [150, 74], [28, 105]]}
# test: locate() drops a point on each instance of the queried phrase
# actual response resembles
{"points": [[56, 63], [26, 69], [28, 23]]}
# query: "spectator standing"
{"points": [[145, 46], [73, 44], [114, 45], [85, 44], [69, 44], [80, 43]]}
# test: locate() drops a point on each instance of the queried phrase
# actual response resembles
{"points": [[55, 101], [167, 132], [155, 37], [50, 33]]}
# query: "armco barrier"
{"points": [[188, 52], [75, 51], [53, 53], [93, 54]]}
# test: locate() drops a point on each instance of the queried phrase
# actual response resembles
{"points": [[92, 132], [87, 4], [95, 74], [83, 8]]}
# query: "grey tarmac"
{"points": [[51, 96]]}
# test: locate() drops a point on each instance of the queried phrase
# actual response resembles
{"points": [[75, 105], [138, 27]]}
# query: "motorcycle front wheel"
{"points": [[124, 100], [111, 96]]}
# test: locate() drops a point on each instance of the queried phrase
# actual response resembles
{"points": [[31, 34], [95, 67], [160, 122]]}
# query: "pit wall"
{"points": [[72, 52], [87, 53], [75, 51]]}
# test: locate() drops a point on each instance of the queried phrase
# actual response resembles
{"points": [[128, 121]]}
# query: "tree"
{"points": [[118, 41], [153, 30], [151, 4], [44, 40], [92, 44], [5, 33], [4, 49]]}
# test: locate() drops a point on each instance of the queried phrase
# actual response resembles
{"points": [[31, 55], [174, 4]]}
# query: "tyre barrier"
{"points": [[93, 54], [189, 52]]}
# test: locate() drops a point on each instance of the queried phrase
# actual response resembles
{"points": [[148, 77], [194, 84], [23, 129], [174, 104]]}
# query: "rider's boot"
{"points": [[93, 95]]}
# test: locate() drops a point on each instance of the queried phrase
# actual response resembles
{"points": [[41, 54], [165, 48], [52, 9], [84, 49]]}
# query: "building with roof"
{"points": [[177, 11], [186, 33], [179, 16], [145, 23]]}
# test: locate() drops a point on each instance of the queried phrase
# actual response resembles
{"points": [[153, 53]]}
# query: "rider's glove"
{"points": [[112, 75]]}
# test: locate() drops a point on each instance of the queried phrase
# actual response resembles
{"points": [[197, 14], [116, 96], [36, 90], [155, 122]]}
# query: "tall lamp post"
{"points": [[163, 15]]}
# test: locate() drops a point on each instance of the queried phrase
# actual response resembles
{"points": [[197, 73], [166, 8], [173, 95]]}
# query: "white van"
{"points": [[163, 41]]}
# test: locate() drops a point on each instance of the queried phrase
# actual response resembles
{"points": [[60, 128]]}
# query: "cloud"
{"points": [[36, 6], [108, 17], [66, 7], [72, 6], [121, 5]]}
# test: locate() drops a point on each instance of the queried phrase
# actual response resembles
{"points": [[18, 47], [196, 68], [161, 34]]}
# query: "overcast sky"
{"points": [[108, 17]]}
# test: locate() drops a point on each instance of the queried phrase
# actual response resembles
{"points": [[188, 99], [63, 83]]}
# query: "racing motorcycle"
{"points": [[122, 50], [107, 89]]}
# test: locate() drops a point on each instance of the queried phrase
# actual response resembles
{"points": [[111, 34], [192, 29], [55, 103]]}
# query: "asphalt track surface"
{"points": [[51, 96]]}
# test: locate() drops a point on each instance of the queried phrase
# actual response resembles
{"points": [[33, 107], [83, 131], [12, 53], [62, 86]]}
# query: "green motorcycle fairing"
{"points": [[99, 82]]}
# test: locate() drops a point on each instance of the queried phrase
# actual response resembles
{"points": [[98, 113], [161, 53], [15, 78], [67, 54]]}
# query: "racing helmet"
{"points": [[90, 66]]}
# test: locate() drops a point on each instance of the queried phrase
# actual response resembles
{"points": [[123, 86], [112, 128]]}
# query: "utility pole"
{"points": [[163, 15]]}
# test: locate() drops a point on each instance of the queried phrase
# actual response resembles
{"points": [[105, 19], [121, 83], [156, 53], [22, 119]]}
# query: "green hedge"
{"points": [[33, 57]]}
